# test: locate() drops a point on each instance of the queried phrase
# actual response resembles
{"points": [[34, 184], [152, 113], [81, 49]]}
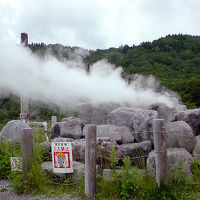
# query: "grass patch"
{"points": [[8, 150]]}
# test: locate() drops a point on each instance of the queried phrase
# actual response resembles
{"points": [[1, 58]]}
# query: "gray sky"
{"points": [[96, 24]]}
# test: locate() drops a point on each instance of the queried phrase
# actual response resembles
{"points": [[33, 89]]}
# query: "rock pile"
{"points": [[131, 131]]}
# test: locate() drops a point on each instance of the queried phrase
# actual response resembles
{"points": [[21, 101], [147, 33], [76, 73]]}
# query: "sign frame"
{"points": [[62, 157]]}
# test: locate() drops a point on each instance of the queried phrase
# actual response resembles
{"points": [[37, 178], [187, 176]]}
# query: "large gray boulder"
{"points": [[179, 135], [178, 158], [164, 112], [69, 128], [121, 134], [78, 168], [142, 124], [121, 116], [78, 150], [55, 131], [108, 174], [103, 149], [12, 131], [192, 117], [138, 120], [95, 114], [136, 151], [196, 151], [68, 119]]}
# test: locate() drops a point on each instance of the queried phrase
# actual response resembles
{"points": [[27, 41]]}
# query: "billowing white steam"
{"points": [[51, 81]]}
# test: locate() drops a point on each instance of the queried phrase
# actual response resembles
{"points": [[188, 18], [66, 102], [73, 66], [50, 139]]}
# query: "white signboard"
{"points": [[62, 157], [16, 163]]}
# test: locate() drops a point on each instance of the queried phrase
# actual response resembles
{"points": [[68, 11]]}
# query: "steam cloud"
{"points": [[54, 82]]}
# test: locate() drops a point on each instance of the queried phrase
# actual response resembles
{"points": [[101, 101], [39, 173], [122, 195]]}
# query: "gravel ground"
{"points": [[7, 193]]}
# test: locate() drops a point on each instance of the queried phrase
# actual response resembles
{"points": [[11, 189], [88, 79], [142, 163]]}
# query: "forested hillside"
{"points": [[174, 60]]}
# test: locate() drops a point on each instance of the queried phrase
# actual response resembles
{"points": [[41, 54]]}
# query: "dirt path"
{"points": [[7, 193]]}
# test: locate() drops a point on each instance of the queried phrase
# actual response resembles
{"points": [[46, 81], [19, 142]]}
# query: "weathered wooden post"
{"points": [[90, 161], [53, 120], [160, 152], [27, 149], [24, 115]]}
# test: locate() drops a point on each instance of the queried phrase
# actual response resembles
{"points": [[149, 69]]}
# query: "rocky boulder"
{"points": [[68, 119], [164, 112], [121, 116], [78, 167], [177, 158], [138, 120], [142, 124], [108, 175], [103, 149], [55, 131], [12, 131], [196, 151], [78, 150], [179, 135], [95, 114], [121, 134], [71, 128], [136, 151], [192, 117]]}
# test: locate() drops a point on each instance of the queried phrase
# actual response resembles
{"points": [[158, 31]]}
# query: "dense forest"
{"points": [[174, 60]]}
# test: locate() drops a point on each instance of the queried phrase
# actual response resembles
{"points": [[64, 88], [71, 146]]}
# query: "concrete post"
{"points": [[160, 151], [27, 149], [90, 161], [24, 115]]}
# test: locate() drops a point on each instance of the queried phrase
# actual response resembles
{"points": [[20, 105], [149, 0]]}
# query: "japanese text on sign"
{"points": [[62, 157]]}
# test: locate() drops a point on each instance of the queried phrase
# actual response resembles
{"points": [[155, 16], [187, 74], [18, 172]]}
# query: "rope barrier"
{"points": [[151, 132], [132, 158]]}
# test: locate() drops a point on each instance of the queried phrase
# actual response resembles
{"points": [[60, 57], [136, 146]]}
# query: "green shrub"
{"points": [[35, 180], [134, 182], [7, 150]]}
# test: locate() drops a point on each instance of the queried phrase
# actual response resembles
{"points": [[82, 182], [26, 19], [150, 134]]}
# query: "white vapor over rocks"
{"points": [[62, 84]]}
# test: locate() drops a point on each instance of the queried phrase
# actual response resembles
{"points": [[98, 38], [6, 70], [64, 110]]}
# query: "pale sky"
{"points": [[94, 24]]}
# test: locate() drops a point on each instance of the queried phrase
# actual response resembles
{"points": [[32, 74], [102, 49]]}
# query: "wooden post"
{"points": [[90, 161], [27, 149], [53, 120], [160, 152], [24, 115]]}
